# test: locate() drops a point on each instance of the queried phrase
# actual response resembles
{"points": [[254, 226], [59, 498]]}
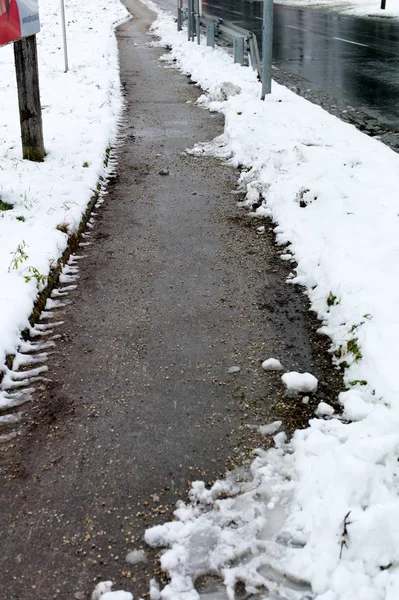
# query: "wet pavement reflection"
{"points": [[356, 60]]}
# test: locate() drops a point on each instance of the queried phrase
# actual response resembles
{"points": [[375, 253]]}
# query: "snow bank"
{"points": [[81, 110]]}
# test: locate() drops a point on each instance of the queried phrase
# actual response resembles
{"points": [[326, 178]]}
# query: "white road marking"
{"points": [[350, 42], [334, 38], [299, 28], [236, 12]]}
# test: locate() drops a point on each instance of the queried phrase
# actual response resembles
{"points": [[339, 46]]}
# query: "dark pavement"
{"points": [[176, 287]]}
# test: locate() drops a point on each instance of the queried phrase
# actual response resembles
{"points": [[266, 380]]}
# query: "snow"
{"points": [[81, 111], [102, 591], [272, 364], [120, 595], [270, 428], [315, 516], [299, 382], [101, 588], [135, 557], [324, 409]]}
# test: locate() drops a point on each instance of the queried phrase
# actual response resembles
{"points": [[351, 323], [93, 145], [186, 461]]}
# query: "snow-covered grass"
{"points": [[370, 8], [81, 109]]}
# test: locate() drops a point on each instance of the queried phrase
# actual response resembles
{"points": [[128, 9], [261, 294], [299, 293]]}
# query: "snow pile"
{"points": [[318, 517], [81, 109], [299, 382], [236, 539]]}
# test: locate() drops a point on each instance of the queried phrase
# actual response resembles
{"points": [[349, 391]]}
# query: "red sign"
{"points": [[18, 19]]}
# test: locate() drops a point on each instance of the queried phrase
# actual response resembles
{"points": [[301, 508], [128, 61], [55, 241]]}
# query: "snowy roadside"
{"points": [[369, 8], [315, 518], [41, 204]]}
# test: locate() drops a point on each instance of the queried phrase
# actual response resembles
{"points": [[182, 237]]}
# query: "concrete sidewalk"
{"points": [[176, 288]]}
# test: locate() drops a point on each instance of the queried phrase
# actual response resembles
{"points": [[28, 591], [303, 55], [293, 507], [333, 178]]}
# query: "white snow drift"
{"points": [[81, 110]]}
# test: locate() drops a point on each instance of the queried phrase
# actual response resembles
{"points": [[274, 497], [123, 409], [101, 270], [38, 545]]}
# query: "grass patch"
{"points": [[332, 300], [353, 347], [5, 206]]}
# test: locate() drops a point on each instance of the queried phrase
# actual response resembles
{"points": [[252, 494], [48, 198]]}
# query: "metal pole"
{"points": [[383, 2], [193, 21], [197, 21], [64, 36], [179, 15], [190, 19], [267, 47]]}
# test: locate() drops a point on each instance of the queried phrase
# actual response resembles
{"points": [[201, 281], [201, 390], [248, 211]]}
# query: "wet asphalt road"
{"points": [[355, 60], [176, 287]]}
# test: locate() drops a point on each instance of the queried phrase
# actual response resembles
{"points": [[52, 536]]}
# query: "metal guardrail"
{"points": [[244, 41]]}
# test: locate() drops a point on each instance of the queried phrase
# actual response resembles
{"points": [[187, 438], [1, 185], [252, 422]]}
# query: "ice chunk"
{"points": [[155, 593], [324, 409], [270, 428], [121, 595], [272, 364], [300, 382], [101, 588], [102, 591], [135, 557]]}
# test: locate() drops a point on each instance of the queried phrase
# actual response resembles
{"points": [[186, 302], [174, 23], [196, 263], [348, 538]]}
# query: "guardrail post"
{"points": [[239, 50], [191, 24], [179, 15], [210, 34], [197, 21], [254, 55], [267, 47]]}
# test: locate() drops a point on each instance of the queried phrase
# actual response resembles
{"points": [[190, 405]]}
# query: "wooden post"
{"points": [[383, 3], [30, 112]]}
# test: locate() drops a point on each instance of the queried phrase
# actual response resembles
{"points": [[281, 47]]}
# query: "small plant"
{"points": [[358, 382], [18, 257], [85, 165], [5, 206], [345, 533], [332, 300], [107, 154], [22, 219], [28, 203], [355, 326], [25, 334], [62, 227], [353, 347], [35, 274]]}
